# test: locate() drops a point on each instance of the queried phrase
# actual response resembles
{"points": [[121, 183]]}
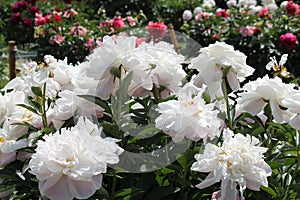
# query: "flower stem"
{"points": [[295, 173], [44, 116], [225, 93], [113, 189]]}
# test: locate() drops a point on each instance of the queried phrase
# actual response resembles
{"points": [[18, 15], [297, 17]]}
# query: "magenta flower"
{"points": [[34, 10], [292, 8], [288, 40], [15, 19], [27, 23]]}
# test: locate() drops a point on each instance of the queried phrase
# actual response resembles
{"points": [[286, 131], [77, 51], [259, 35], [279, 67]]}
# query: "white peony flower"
{"points": [[9, 143], [105, 58], [70, 164], [62, 72], [256, 94], [70, 104], [208, 4], [237, 161], [154, 64], [198, 10], [189, 116], [8, 102], [187, 15], [231, 3], [213, 59]]}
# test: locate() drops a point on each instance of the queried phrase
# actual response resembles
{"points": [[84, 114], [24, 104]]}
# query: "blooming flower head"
{"points": [[216, 57], [237, 161], [289, 41], [70, 164], [231, 3], [15, 19], [189, 116], [154, 65], [156, 29], [207, 4], [187, 15], [263, 12], [222, 13], [248, 31], [292, 8], [117, 22], [256, 94], [131, 21]]}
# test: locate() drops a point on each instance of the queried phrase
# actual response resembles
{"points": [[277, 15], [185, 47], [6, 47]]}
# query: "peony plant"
{"points": [[138, 121]]}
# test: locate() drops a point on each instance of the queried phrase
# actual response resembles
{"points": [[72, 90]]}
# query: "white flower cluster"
{"points": [[237, 160], [70, 164]]}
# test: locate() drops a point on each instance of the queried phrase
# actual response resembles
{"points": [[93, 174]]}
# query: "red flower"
{"points": [[19, 6], [288, 40], [117, 22], [27, 23], [57, 17], [292, 8], [156, 30], [222, 13], [15, 19]]}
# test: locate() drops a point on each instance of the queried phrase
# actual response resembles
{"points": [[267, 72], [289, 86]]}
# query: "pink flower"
{"points": [[248, 31], [156, 30], [89, 44], [39, 20], [264, 12], [19, 6], [58, 39], [27, 23], [292, 8], [288, 40], [201, 16], [117, 22], [222, 13], [131, 21], [70, 13], [15, 19], [78, 30]]}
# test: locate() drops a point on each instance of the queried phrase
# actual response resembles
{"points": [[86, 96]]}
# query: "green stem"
{"points": [[114, 184], [295, 173], [225, 93], [44, 116]]}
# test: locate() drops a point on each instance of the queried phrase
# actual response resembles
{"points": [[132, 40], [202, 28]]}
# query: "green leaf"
{"points": [[29, 108], [37, 91], [97, 101], [269, 190], [275, 165]]}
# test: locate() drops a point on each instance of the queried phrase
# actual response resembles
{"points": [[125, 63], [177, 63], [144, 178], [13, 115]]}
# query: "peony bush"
{"points": [[137, 120]]}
